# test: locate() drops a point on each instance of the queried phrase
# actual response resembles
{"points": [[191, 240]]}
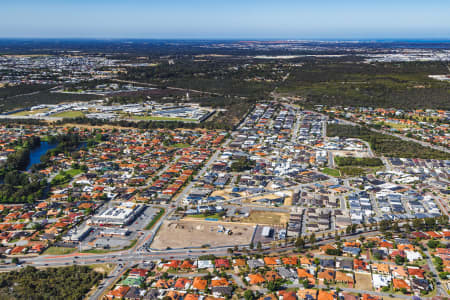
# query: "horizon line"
{"points": [[275, 39]]}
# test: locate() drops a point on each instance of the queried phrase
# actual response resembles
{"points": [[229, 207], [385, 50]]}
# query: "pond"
{"points": [[36, 153]]}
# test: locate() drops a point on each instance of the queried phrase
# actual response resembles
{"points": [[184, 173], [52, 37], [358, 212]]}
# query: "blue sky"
{"points": [[259, 19]]}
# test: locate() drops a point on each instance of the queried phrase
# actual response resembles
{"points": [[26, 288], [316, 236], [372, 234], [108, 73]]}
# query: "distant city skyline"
{"points": [[232, 19]]}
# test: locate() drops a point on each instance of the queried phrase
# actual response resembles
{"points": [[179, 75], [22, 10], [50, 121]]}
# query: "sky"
{"points": [[226, 19]]}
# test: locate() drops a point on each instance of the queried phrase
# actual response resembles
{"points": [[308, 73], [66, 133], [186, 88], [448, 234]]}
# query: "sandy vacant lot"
{"points": [[363, 282], [189, 234], [267, 217], [350, 153]]}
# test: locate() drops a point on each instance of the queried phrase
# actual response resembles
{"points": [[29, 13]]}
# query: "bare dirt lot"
{"points": [[190, 234], [347, 153], [363, 282], [267, 217]]}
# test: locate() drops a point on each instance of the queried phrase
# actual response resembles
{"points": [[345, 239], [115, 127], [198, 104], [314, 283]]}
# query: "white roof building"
{"points": [[413, 255], [204, 264], [380, 280]]}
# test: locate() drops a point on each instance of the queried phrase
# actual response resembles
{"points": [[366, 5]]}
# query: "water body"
{"points": [[36, 153]]}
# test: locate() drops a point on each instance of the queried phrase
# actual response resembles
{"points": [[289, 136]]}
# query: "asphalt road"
{"points": [[130, 257], [122, 257], [108, 281], [439, 287]]}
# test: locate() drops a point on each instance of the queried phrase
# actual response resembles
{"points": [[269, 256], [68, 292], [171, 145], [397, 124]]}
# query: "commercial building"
{"points": [[120, 215], [77, 234]]}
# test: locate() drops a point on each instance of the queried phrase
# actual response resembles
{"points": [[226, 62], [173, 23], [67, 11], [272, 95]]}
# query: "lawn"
{"points": [[180, 145], [153, 118], [331, 172], [59, 251], [21, 113], [74, 172], [29, 112], [69, 114], [202, 216], [65, 177]]}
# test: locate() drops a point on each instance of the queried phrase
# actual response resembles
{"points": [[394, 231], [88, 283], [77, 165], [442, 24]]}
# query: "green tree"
{"points": [[299, 243], [274, 285], [418, 224], [443, 220], [248, 295], [399, 260], [312, 238]]}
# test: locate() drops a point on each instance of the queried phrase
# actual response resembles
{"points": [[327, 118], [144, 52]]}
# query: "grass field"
{"points": [[152, 118], [180, 145], [22, 113], [74, 172], [331, 172], [69, 114], [65, 177], [59, 251], [202, 216]]}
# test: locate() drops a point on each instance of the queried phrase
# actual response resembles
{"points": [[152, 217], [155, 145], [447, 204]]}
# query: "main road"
{"points": [[132, 256], [125, 259]]}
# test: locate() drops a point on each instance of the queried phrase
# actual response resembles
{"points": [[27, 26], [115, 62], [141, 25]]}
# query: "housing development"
{"points": [[184, 188]]}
